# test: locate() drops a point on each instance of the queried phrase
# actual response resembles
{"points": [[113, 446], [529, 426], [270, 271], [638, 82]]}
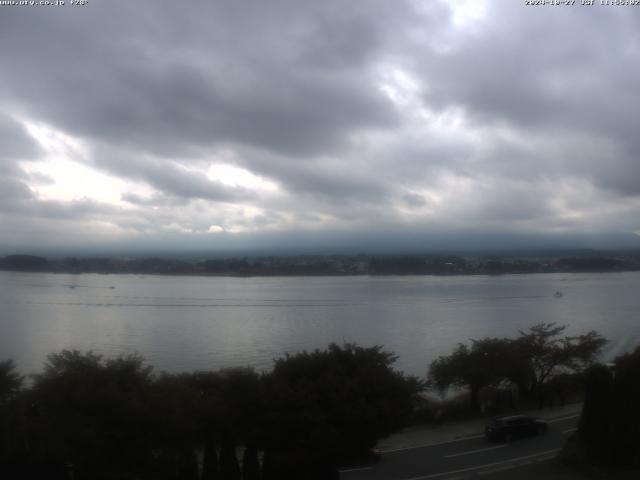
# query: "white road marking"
{"points": [[563, 418], [359, 469], [475, 451], [393, 450], [520, 464], [569, 430], [470, 469]]}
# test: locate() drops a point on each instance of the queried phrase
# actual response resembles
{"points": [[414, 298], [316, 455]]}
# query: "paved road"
{"points": [[467, 457]]}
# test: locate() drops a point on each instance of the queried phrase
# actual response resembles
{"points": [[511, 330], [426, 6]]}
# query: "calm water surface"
{"points": [[188, 323]]}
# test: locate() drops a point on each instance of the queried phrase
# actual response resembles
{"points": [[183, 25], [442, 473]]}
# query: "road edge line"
{"points": [[479, 467]]}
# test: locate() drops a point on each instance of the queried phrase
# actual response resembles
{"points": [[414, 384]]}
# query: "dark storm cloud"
{"points": [[326, 179], [15, 145], [172, 79], [369, 116], [555, 74], [510, 202], [333, 185], [503, 74]]}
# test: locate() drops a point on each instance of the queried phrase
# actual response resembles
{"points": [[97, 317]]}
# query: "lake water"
{"points": [[188, 323]]}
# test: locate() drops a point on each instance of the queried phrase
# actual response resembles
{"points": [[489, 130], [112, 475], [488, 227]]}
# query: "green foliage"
{"points": [[485, 362], [339, 401], [210, 462], [626, 415], [188, 464], [250, 464], [610, 423], [595, 421], [174, 402], [549, 353], [531, 361], [114, 418], [297, 463], [242, 403], [92, 413], [10, 388], [10, 381], [229, 465]]}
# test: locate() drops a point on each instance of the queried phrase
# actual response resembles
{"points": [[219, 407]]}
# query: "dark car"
{"points": [[509, 428]]}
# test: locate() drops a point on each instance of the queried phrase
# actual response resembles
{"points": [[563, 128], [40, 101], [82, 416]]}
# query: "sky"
{"points": [[240, 124]]}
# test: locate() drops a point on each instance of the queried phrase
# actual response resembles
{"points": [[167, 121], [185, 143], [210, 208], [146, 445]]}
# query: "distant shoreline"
{"points": [[318, 275], [327, 266]]}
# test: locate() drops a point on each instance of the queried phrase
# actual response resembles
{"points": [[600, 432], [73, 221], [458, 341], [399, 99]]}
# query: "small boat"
{"points": [[558, 294]]}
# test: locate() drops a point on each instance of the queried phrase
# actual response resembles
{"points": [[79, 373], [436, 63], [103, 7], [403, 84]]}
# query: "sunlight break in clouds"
{"points": [[64, 163], [239, 177], [467, 12]]}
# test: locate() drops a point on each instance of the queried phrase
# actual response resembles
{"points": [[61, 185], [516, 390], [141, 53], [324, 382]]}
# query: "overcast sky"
{"points": [[246, 124]]}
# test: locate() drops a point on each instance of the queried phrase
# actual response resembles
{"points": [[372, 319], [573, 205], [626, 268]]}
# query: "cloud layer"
{"points": [[231, 124]]}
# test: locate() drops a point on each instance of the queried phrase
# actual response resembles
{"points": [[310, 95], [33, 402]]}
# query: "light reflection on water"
{"points": [[188, 323]]}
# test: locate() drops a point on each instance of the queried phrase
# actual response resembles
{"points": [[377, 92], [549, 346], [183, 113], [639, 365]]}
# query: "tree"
{"points": [[92, 413], [328, 405], [11, 437], [548, 354], [229, 466], [188, 464], [609, 426], [625, 430], [10, 381], [210, 461], [595, 420], [530, 361], [174, 431], [250, 463], [485, 362]]}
